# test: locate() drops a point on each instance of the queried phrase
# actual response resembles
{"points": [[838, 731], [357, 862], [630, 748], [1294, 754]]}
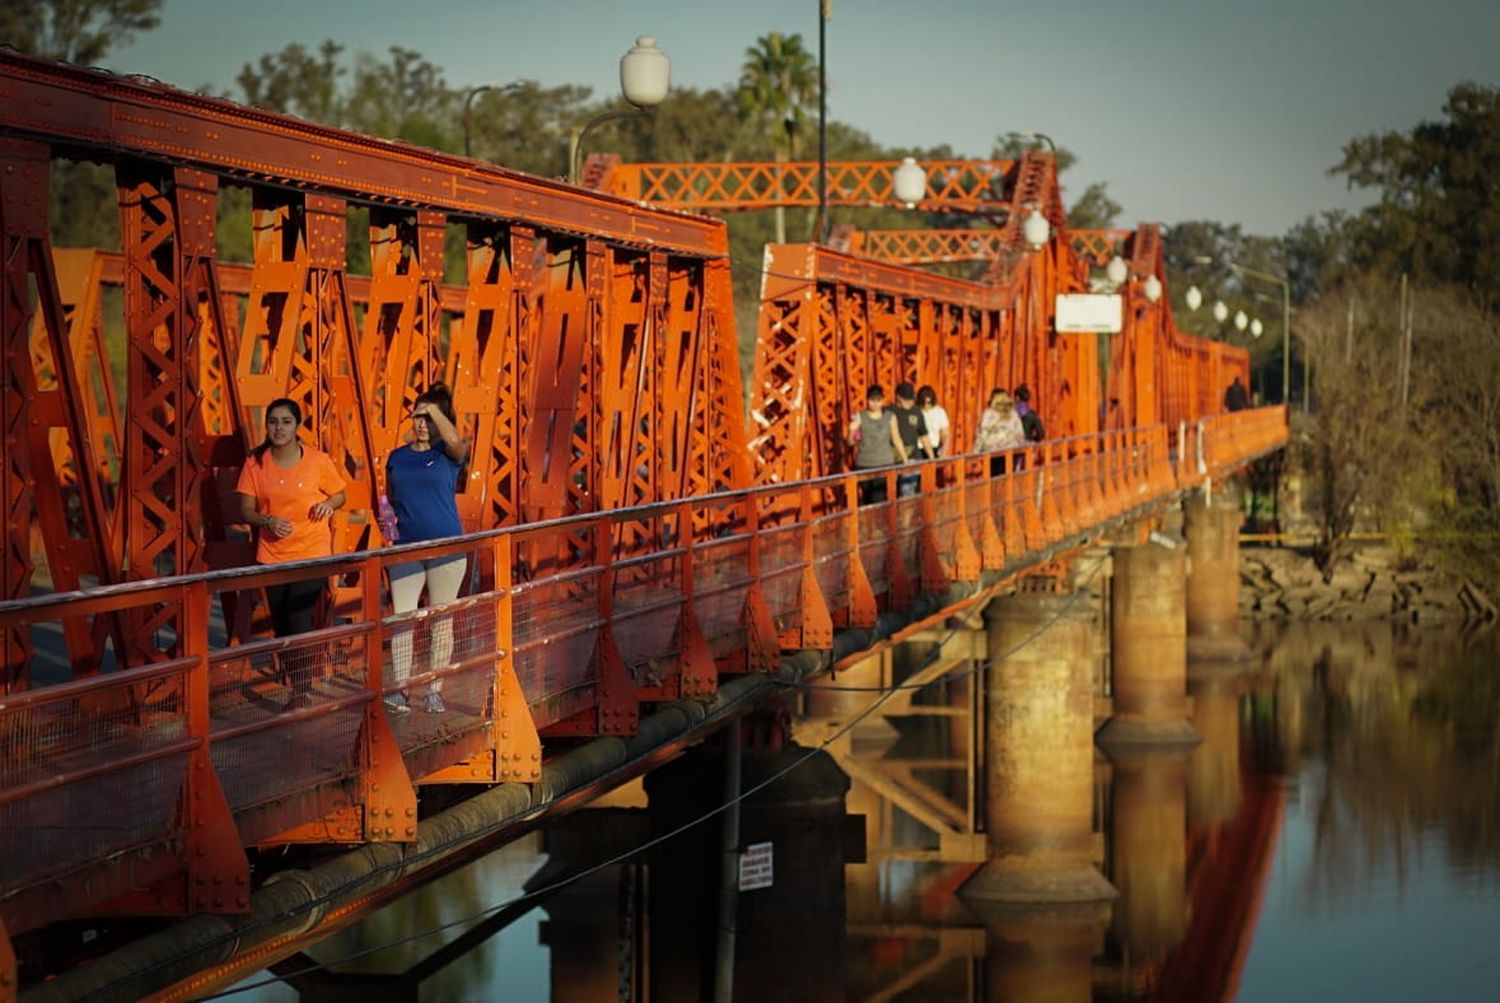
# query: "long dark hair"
{"points": [[440, 397], [259, 452]]}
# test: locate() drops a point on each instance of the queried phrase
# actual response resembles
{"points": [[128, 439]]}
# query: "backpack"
{"points": [[1031, 425]]}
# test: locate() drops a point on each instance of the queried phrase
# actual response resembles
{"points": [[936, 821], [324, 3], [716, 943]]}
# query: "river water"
{"points": [[1336, 835]]}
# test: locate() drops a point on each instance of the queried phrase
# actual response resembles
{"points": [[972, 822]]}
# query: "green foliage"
{"points": [[75, 31], [1438, 217], [778, 90], [1094, 210]]}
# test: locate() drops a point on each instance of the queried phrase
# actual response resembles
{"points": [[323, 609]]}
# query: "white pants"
{"points": [[442, 577]]}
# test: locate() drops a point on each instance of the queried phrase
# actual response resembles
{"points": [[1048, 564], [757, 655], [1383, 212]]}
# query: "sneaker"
{"points": [[298, 701], [396, 704], [435, 704]]}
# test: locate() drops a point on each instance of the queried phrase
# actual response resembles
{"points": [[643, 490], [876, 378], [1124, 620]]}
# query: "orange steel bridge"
{"points": [[639, 547]]}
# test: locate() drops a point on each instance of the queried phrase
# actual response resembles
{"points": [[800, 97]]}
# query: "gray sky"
{"points": [[1190, 110]]}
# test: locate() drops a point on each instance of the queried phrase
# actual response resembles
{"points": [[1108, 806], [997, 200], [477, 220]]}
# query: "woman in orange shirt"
{"points": [[289, 491]]}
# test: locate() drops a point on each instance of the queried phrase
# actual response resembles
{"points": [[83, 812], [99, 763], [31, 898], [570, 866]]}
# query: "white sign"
{"points": [[755, 867], [1090, 313]]}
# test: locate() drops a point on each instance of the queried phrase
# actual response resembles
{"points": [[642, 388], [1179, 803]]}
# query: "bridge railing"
{"points": [[157, 777]]}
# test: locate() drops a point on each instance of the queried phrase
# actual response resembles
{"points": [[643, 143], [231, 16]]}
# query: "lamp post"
{"points": [[825, 11], [473, 93], [1034, 136], [1286, 323], [645, 78]]}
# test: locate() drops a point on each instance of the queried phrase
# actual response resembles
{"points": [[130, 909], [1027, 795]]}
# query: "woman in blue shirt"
{"points": [[422, 479]]}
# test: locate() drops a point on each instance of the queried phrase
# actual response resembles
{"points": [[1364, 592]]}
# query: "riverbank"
{"points": [[1283, 583]]}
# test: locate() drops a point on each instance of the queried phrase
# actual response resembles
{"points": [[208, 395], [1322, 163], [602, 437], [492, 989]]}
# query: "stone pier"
{"points": [[1213, 578], [1039, 757], [1148, 641]]}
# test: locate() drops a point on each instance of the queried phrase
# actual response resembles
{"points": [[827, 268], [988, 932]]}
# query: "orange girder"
{"points": [[975, 186]]}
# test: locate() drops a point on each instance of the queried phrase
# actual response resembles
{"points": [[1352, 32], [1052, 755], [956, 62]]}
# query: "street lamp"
{"points": [[1152, 288], [1240, 320], [645, 78], [1257, 328], [1193, 298], [1286, 324], [1116, 271], [1221, 312], [1033, 137], [473, 93], [1035, 229], [909, 182], [1286, 319]]}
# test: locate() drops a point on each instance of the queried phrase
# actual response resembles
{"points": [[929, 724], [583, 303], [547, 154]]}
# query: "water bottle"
{"points": [[386, 516]]}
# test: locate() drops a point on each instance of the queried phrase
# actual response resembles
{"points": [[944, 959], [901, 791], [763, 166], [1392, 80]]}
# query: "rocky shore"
{"points": [[1284, 584]]}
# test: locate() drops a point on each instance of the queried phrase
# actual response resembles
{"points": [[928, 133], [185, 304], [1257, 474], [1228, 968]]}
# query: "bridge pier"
{"points": [[1039, 757], [1148, 639], [1043, 953], [802, 816], [1212, 528], [1214, 771], [1148, 837]]}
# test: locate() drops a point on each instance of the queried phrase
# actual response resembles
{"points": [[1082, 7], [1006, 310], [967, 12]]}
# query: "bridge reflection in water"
{"points": [[863, 906]]}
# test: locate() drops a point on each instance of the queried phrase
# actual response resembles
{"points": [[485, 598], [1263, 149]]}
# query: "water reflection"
{"points": [[1335, 835]]}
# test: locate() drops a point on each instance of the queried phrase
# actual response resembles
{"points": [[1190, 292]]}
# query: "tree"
{"points": [[1364, 450], [777, 91], [75, 31], [297, 82], [1094, 210], [1438, 216]]}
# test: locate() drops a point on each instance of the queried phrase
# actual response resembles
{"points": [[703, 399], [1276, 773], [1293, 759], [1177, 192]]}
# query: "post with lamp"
{"points": [[825, 11], [645, 78], [473, 93]]}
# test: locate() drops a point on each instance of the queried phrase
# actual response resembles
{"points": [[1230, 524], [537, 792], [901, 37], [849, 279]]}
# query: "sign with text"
{"points": [[1090, 313], [755, 867]]}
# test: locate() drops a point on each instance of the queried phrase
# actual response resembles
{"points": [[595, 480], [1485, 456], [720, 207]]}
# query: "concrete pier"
{"points": [[1039, 756], [1213, 578], [1148, 842], [1043, 954], [1148, 641]]}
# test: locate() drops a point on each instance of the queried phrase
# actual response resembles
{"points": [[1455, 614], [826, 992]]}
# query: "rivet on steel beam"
{"points": [[410, 831]]}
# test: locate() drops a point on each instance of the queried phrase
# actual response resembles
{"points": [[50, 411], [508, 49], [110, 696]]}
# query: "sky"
{"points": [[1188, 109]]}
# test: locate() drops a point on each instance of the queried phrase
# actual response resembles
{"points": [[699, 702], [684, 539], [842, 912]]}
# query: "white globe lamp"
{"points": [[1194, 298], [909, 183], [1116, 271], [1240, 320], [645, 73], [1035, 230], [1221, 312], [1152, 288]]}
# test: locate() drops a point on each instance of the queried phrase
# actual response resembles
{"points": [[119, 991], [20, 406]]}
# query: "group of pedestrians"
{"points": [[289, 491], [917, 428]]}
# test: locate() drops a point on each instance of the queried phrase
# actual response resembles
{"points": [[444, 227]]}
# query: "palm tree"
{"points": [[778, 90]]}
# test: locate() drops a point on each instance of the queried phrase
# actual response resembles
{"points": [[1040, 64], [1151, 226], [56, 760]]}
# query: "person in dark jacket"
{"points": [[1031, 422], [1235, 398], [912, 426]]}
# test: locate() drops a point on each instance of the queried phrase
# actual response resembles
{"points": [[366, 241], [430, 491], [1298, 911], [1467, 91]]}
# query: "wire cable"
{"points": [[563, 882]]}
